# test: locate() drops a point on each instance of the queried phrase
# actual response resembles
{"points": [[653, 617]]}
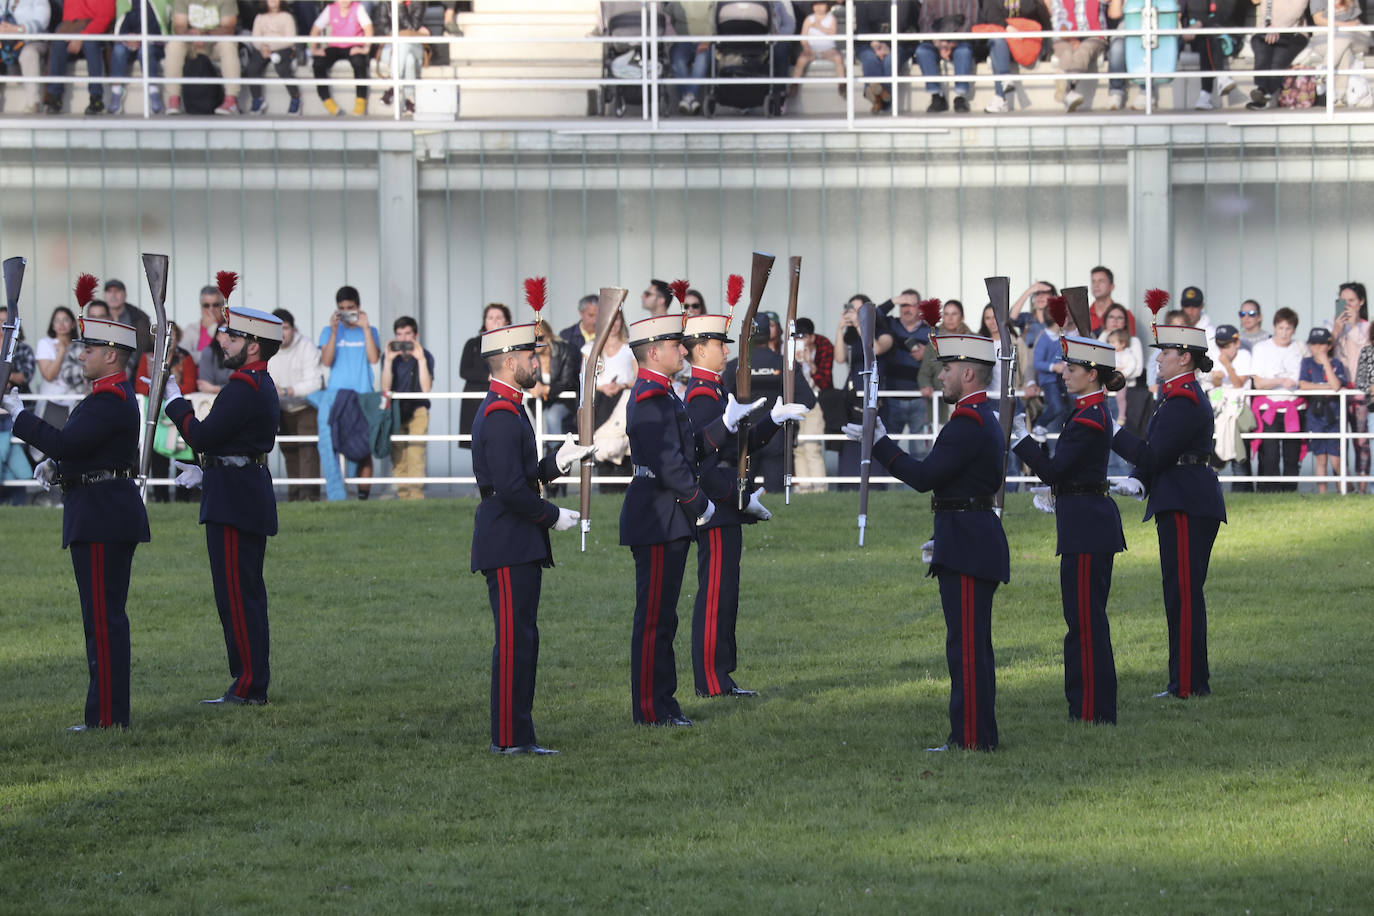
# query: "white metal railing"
{"points": [[650, 41], [1343, 479]]}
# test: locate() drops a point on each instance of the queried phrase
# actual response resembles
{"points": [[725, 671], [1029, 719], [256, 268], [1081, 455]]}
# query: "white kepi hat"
{"points": [[102, 332], [970, 347], [246, 322], [648, 330], [1085, 351], [510, 338]]}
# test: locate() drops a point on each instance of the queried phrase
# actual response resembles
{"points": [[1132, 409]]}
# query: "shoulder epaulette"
{"points": [[500, 404], [1182, 392], [703, 391], [245, 377], [967, 412], [654, 392], [105, 386]]}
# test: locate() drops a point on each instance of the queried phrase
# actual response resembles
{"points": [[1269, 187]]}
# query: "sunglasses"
{"points": [[1250, 314]]}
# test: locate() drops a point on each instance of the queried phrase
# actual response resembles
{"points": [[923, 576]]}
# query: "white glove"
{"points": [[171, 391], [710, 511], [855, 431], [1043, 499], [1128, 486], [756, 508], [567, 518], [928, 551], [190, 476], [569, 453], [781, 412], [11, 403], [1018, 427], [45, 473], [735, 411]]}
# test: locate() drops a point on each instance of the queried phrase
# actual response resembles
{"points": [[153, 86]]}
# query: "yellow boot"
{"points": [[360, 107], [332, 107]]}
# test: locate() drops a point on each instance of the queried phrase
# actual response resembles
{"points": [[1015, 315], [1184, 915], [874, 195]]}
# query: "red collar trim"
{"points": [[1090, 400], [258, 366], [650, 375], [509, 393], [978, 397], [112, 384], [1177, 383], [705, 375]]}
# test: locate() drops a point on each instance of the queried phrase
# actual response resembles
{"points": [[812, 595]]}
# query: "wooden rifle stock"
{"points": [[999, 297], [744, 378], [789, 372], [612, 297], [14, 280]]}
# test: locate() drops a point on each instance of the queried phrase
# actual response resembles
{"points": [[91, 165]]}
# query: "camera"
{"points": [[348, 316], [401, 346]]}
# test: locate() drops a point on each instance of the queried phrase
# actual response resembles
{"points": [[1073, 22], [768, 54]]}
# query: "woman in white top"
{"points": [[50, 353], [1350, 334], [1277, 364]]}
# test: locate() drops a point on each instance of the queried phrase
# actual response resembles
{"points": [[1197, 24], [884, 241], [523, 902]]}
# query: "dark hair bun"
{"points": [[1202, 361], [1116, 381]]}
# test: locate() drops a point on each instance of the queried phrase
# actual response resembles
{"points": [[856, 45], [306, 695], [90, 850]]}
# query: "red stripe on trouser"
{"points": [[505, 727], [236, 618], [970, 681], [1085, 632], [646, 652], [712, 613], [1185, 609], [102, 635]]}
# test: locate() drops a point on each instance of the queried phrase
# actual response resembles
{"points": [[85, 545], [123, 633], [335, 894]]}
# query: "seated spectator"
{"points": [[404, 371], [1348, 46], [874, 17], [1211, 49], [558, 364], [1277, 364], [1077, 55], [475, 372], [816, 357], [947, 16], [690, 60], [1275, 50], [1349, 334], [123, 54], [295, 369], [50, 354], [349, 348], [819, 28], [274, 28], [204, 17], [1323, 372], [17, 18], [410, 23], [343, 21], [996, 13], [80, 17]]}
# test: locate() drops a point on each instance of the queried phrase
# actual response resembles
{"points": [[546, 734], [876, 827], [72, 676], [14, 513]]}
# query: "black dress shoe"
{"points": [[96, 107], [532, 749], [961, 104], [938, 103], [230, 699], [678, 720]]}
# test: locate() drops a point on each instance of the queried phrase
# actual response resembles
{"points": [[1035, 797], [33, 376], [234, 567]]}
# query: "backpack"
{"points": [[9, 50], [201, 98]]}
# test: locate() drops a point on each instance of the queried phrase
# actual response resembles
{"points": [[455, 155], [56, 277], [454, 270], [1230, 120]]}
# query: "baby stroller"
{"points": [[747, 59], [621, 60]]}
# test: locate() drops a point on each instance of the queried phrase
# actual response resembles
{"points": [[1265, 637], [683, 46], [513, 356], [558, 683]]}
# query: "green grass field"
{"points": [[366, 785]]}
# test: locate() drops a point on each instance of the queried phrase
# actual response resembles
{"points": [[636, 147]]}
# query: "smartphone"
{"points": [[401, 346], [348, 316], [1340, 307]]}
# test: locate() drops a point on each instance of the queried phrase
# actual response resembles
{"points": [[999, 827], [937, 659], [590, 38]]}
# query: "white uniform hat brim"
{"points": [[964, 347], [102, 332]]}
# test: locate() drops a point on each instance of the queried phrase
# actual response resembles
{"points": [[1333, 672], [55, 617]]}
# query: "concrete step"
{"points": [[491, 25], [531, 51], [538, 7]]}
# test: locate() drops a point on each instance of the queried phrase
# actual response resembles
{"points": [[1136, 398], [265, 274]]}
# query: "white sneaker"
{"points": [[1116, 100], [997, 106], [1204, 101], [1073, 100], [684, 106], [1138, 103], [1226, 85]]}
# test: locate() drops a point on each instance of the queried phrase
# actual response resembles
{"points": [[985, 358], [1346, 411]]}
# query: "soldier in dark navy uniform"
{"points": [[1087, 521], [964, 469], [237, 505], [720, 541], [765, 379], [103, 519], [664, 506], [1172, 464], [510, 533]]}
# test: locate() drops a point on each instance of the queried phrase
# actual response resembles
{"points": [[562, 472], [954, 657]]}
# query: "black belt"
{"points": [[231, 461], [486, 491], [1195, 459], [1091, 488], [70, 482], [960, 503]]}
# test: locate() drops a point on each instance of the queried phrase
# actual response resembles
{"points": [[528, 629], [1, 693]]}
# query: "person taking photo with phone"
{"points": [[349, 348], [404, 371]]}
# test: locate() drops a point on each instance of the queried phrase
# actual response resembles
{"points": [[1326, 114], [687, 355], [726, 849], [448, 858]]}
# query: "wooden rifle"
{"points": [[612, 298], [999, 297], [867, 319], [744, 379], [14, 279], [789, 370], [155, 267]]}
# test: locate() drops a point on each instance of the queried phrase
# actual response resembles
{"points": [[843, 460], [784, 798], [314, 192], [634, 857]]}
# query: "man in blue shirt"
{"points": [[349, 348]]}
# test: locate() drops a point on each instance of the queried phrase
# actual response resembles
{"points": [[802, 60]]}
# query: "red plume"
{"points": [[1058, 307], [85, 289], [226, 280], [1156, 299], [680, 288], [536, 290], [930, 311], [734, 288]]}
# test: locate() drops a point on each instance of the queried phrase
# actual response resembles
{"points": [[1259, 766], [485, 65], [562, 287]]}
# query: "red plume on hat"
{"points": [[226, 280], [1156, 299], [1058, 307], [85, 289], [680, 288], [734, 288], [930, 311], [536, 291]]}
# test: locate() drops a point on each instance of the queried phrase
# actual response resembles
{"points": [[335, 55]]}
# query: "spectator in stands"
{"points": [[819, 28], [344, 21], [1232, 373], [585, 328], [558, 364], [349, 348], [1077, 55], [204, 17], [1192, 303], [1277, 364], [186, 374], [691, 59], [1251, 325], [1364, 383], [1350, 333], [295, 369], [211, 306], [996, 13], [25, 17], [911, 336], [816, 356], [1131, 365], [1211, 49], [80, 17], [951, 322], [693, 303], [1031, 320], [50, 354], [1275, 51], [1049, 375], [121, 310], [1116, 61], [1325, 373], [275, 31], [25, 364], [123, 54], [404, 371], [1101, 284], [1347, 44], [474, 370], [874, 17], [947, 16], [410, 23], [13, 463], [211, 373], [655, 298]]}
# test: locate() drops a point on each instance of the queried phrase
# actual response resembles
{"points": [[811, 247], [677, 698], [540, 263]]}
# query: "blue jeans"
{"points": [[999, 57], [908, 415], [1056, 405], [928, 59], [689, 63], [1116, 63], [94, 52]]}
